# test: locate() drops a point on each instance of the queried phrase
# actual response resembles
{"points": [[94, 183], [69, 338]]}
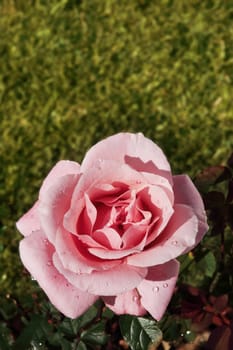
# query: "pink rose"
{"points": [[111, 228]]}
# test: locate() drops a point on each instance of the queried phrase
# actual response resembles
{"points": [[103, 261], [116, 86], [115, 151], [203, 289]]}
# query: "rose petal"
{"points": [[117, 280], [54, 203], [186, 193], [138, 231], [157, 288], [125, 303], [103, 172], [36, 254], [73, 256], [178, 238], [87, 218], [148, 168], [155, 198], [158, 180], [29, 222], [108, 237], [135, 236], [62, 168], [118, 146]]}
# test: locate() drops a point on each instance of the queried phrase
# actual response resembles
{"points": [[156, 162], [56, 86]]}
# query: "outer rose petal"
{"points": [[118, 146], [63, 167], [114, 281], [54, 203], [157, 288], [186, 193], [36, 254], [125, 303], [29, 222], [178, 238]]}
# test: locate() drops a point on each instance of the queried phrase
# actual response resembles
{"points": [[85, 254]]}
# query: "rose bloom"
{"points": [[111, 228]]}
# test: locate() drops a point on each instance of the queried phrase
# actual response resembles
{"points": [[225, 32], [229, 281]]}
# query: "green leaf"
{"points": [[36, 330], [95, 334], [3, 343], [58, 340], [71, 327], [207, 264], [81, 346], [88, 316], [140, 333]]}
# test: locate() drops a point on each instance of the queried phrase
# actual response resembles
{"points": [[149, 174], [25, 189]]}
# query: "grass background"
{"points": [[73, 72]]}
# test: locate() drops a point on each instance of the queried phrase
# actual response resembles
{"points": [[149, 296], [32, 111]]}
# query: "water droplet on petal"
{"points": [[49, 263], [155, 289], [33, 278], [135, 298], [174, 242], [138, 182], [46, 242], [165, 285]]}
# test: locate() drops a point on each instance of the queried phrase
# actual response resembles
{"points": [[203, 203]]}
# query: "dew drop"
{"points": [[188, 332], [33, 278], [46, 242], [174, 242], [135, 298], [155, 289], [49, 263], [165, 285], [138, 182]]}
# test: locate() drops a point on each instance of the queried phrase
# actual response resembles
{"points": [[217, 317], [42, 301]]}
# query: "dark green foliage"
{"points": [[140, 333]]}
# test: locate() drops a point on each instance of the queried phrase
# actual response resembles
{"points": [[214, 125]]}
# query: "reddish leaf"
{"points": [[214, 199], [219, 303], [221, 339], [212, 175]]}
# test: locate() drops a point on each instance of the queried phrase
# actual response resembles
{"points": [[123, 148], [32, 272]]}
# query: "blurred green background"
{"points": [[73, 72]]}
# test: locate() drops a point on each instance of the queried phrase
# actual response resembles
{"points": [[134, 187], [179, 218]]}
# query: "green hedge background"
{"points": [[73, 72]]}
